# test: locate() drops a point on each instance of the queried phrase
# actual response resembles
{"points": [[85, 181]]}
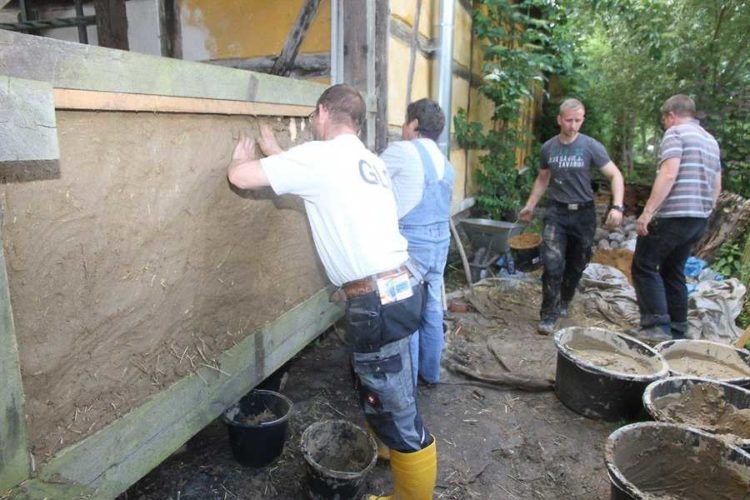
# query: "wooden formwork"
{"points": [[51, 89]]}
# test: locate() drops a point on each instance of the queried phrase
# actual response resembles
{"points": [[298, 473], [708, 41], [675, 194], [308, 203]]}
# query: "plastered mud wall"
{"points": [[134, 264]]}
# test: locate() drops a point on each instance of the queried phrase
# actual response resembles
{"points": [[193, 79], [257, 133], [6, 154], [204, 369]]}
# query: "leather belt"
{"points": [[366, 285], [574, 206]]}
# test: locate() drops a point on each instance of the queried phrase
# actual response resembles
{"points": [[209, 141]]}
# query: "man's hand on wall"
{"points": [[244, 150], [267, 141]]}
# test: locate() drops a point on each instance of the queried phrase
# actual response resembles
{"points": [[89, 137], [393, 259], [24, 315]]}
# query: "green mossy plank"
{"points": [[27, 124], [40, 490], [86, 67], [15, 462], [121, 453]]}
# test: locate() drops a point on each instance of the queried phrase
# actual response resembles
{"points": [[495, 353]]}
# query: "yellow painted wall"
{"points": [[458, 160], [398, 70], [252, 28], [462, 36], [406, 10]]}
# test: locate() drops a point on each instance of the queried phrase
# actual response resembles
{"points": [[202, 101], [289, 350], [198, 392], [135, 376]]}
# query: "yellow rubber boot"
{"points": [[414, 474]]}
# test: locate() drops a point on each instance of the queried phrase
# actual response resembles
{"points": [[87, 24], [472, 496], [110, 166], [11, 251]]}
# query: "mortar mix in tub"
{"points": [[705, 359], [710, 405], [611, 353]]}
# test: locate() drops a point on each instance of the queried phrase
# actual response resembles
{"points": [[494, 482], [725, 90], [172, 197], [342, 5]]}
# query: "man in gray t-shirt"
{"points": [[570, 218]]}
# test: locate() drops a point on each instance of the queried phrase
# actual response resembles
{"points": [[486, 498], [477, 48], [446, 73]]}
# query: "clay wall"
{"points": [[133, 263]]}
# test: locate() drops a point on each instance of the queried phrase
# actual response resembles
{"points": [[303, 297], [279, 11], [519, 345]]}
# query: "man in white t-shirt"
{"points": [[352, 214]]}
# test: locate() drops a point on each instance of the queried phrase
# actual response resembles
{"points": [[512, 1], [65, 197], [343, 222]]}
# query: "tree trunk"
{"points": [[729, 220]]}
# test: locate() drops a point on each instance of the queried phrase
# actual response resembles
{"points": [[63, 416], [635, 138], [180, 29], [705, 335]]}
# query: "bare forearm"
{"points": [[660, 190], [247, 174], [537, 191], [617, 187]]}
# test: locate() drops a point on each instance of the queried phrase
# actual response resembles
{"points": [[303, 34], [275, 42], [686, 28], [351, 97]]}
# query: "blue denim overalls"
{"points": [[427, 230]]}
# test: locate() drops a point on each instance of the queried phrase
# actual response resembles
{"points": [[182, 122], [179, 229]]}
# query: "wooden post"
{"points": [[14, 444], [112, 24], [366, 62], [284, 63], [169, 29]]}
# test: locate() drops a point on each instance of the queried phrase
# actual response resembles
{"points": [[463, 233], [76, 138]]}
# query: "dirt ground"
{"points": [[492, 442]]}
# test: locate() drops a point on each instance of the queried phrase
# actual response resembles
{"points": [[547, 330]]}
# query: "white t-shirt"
{"points": [[349, 202], [405, 168]]}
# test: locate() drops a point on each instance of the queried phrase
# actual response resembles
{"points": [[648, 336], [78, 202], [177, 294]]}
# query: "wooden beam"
{"points": [[15, 464], [117, 101], [27, 127], [111, 24], [285, 61], [121, 453], [382, 15], [86, 67], [35, 489], [305, 65], [170, 31], [366, 61]]}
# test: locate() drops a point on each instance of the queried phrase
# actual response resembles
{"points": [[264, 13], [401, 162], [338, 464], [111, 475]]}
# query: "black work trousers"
{"points": [[566, 250], [659, 270]]}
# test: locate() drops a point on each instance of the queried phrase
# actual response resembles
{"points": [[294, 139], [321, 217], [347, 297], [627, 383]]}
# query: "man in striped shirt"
{"points": [[687, 183]]}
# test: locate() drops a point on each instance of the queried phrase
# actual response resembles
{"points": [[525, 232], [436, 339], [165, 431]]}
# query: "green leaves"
{"points": [[521, 49]]}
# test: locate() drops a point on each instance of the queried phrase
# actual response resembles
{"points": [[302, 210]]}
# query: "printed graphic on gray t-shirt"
{"points": [[570, 167]]}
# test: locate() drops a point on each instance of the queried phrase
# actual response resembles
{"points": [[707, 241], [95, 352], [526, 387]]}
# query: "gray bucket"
{"points": [[706, 359], [657, 460], [338, 457], [602, 374], [701, 403]]}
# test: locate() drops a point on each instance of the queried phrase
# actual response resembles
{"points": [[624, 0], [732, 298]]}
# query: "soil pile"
{"points": [[620, 258]]}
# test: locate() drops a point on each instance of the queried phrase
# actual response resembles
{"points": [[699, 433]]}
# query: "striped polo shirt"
{"points": [[693, 190]]}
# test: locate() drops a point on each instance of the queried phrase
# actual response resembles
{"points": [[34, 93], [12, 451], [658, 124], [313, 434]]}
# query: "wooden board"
{"points": [[86, 67], [27, 123], [14, 445], [108, 462], [118, 101]]}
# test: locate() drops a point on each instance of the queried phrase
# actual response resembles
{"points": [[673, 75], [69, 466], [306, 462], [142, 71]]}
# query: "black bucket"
{"points": [[706, 359], [705, 404], [257, 427], [338, 455], [659, 460], [525, 250], [587, 386]]}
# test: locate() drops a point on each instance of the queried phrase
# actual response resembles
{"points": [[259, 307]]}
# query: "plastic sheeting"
{"points": [[712, 308]]}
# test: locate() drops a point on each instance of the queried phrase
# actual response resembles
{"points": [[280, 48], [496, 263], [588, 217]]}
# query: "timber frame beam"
{"points": [[42, 75]]}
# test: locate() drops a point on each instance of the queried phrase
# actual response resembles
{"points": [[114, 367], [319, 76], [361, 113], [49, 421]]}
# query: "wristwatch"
{"points": [[619, 208]]}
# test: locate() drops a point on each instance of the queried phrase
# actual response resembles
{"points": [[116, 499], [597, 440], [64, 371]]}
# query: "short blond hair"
{"points": [[571, 104]]}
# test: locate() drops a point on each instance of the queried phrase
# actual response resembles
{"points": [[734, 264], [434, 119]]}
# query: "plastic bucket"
{"points": [[706, 359], [338, 456], [658, 460], [257, 427], [705, 404], [602, 374]]}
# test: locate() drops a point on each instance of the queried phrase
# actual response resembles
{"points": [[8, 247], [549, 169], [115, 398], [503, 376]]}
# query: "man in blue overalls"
{"points": [[423, 185]]}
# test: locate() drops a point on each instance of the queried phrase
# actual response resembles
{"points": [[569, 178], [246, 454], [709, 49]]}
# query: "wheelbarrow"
{"points": [[489, 239]]}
